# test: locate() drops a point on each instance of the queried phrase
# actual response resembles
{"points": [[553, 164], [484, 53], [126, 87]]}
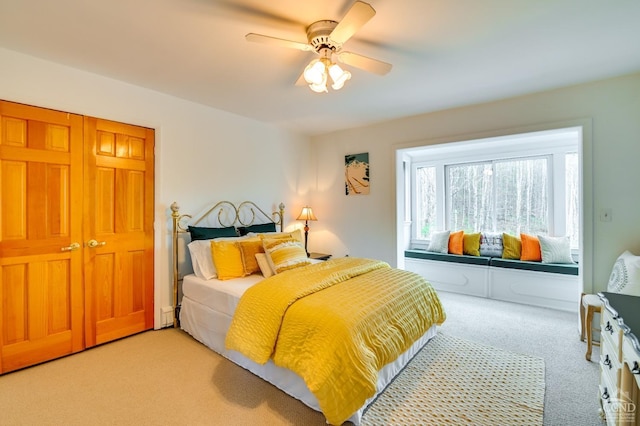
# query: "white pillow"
{"points": [[439, 242], [555, 249], [491, 244], [625, 275], [201, 258]]}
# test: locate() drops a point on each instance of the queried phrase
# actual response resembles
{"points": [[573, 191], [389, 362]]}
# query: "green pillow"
{"points": [[258, 228], [199, 233]]}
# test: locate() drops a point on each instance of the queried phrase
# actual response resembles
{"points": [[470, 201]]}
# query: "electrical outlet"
{"points": [[605, 215]]}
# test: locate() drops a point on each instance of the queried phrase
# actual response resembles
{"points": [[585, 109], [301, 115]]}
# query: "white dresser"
{"points": [[620, 359]]}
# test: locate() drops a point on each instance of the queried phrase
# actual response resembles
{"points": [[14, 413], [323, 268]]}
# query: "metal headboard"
{"points": [[222, 214]]}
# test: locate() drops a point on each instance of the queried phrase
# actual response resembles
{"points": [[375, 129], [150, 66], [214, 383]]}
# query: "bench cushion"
{"points": [[556, 268], [455, 258]]}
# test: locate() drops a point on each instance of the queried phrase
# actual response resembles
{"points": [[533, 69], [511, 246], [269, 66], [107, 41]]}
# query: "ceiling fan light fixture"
{"points": [[339, 76], [326, 38], [315, 72]]}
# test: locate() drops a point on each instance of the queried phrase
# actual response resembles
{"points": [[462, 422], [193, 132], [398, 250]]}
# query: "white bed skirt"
{"points": [[210, 327]]}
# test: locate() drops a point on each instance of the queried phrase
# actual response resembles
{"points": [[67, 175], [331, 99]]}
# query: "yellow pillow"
{"points": [[296, 235], [512, 247], [456, 242], [471, 244], [248, 250], [284, 253], [530, 248], [227, 259]]}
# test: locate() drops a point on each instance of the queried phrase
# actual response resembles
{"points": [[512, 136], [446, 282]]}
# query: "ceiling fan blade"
{"points": [[280, 42], [368, 64], [359, 14]]}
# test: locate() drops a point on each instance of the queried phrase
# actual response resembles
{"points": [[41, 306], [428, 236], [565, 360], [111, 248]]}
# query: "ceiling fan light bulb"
{"points": [[315, 72], [319, 88], [339, 76]]}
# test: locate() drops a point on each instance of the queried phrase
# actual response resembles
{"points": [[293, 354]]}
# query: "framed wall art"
{"points": [[356, 174]]}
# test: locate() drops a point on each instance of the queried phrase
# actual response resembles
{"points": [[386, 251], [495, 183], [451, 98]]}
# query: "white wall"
{"points": [[202, 154], [366, 225]]}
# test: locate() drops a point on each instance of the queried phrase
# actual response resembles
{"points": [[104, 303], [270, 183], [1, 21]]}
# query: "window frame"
{"points": [[553, 144]]}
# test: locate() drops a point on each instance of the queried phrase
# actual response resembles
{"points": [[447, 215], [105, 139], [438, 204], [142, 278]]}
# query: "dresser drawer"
{"points": [[611, 335], [609, 367], [608, 400], [632, 359]]}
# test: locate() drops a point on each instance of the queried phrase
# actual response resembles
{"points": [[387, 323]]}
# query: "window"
{"points": [[524, 183]]}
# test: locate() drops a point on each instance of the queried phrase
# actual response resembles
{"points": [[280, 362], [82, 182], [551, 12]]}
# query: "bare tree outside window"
{"points": [[426, 200], [505, 196]]}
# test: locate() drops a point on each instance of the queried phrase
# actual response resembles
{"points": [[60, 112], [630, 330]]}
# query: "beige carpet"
{"points": [[455, 382], [166, 377]]}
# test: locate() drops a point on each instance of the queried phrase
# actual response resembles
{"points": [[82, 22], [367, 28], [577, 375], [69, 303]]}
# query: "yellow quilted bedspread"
{"points": [[335, 324]]}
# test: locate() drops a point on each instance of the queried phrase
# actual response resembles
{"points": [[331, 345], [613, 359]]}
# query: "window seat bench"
{"points": [[547, 285]]}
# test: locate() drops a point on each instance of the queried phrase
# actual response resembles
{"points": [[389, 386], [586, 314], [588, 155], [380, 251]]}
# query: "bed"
{"points": [[268, 314]]}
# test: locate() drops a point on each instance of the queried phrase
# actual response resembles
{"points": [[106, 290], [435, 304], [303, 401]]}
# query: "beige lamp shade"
{"points": [[307, 214]]}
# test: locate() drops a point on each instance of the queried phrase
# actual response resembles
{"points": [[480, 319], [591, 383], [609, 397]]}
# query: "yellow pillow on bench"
{"points": [[471, 244], [512, 247]]}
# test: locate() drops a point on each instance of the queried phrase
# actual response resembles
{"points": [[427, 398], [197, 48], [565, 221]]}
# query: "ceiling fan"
{"points": [[326, 38]]}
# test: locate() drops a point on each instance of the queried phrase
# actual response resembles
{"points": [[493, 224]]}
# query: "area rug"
{"points": [[453, 381]]}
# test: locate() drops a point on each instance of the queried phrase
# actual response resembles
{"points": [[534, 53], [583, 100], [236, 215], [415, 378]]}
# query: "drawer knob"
{"points": [[605, 395], [607, 361], [636, 368], [609, 328]]}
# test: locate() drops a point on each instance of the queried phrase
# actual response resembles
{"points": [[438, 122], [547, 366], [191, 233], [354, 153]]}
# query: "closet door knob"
{"points": [[94, 243], [72, 247]]}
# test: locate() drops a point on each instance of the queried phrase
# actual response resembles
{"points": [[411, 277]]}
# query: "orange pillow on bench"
{"points": [[456, 242], [530, 248]]}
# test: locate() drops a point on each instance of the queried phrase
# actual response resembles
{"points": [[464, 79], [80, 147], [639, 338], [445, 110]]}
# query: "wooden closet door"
{"points": [[119, 178], [41, 288]]}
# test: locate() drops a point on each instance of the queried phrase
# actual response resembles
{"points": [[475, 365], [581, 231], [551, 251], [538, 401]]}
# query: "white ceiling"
{"points": [[445, 53]]}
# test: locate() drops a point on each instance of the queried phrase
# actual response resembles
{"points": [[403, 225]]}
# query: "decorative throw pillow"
{"points": [[555, 249], [296, 235], [227, 259], [530, 248], [248, 250], [471, 244], [512, 247], [263, 263], [439, 242], [625, 275], [284, 253], [202, 257], [199, 233], [456, 241], [491, 244]]}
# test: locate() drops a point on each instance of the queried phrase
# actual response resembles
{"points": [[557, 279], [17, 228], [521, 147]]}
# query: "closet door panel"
{"points": [[119, 271], [41, 287]]}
